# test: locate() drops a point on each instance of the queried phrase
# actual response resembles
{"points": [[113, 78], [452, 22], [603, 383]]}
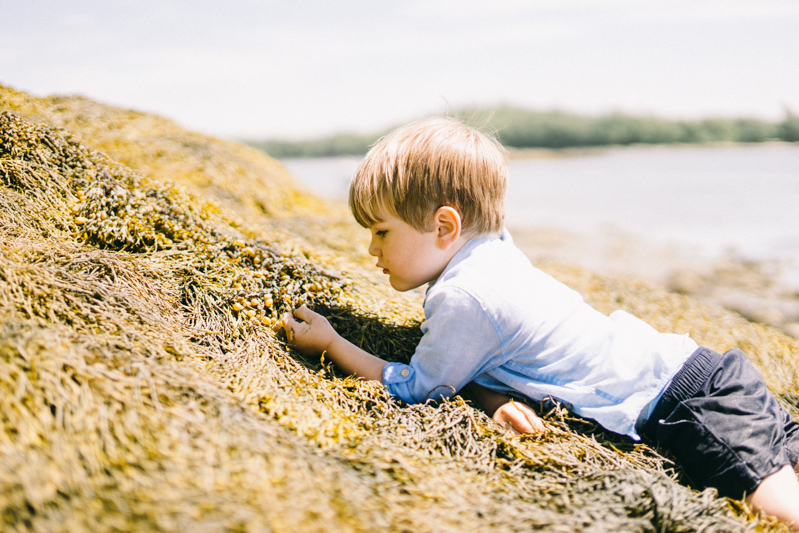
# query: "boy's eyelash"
{"points": [[381, 233]]}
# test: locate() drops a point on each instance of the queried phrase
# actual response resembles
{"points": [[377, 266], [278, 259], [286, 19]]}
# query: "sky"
{"points": [[304, 68]]}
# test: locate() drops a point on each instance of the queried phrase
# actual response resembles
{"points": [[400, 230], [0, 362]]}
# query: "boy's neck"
{"points": [[453, 250]]}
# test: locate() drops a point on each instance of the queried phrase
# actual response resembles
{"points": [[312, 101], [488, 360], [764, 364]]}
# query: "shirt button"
{"points": [[405, 372]]}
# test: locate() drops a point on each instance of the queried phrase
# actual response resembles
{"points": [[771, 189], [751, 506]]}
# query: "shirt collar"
{"points": [[466, 251]]}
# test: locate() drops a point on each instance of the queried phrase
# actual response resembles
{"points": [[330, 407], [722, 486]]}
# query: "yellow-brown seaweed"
{"points": [[142, 387]]}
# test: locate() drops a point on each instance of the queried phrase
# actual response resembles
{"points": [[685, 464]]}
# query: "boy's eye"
{"points": [[381, 233]]}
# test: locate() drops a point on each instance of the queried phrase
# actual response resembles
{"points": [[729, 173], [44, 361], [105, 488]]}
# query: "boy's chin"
{"points": [[400, 287], [403, 286]]}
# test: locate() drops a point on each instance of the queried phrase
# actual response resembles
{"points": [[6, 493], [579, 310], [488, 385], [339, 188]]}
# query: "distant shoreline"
{"points": [[515, 154], [555, 153], [527, 129]]}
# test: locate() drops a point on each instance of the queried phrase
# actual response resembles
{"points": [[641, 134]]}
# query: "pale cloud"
{"points": [[261, 67]]}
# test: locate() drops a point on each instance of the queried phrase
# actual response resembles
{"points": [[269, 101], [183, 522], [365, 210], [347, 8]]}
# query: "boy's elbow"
{"points": [[441, 392]]}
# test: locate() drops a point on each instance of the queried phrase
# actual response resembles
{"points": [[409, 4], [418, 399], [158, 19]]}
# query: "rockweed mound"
{"points": [[142, 387]]}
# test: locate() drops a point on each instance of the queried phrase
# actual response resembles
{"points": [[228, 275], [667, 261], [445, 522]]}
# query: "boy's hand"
{"points": [[312, 334], [519, 418]]}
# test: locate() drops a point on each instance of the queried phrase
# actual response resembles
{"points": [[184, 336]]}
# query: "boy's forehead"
{"points": [[386, 218], [380, 215], [378, 221]]}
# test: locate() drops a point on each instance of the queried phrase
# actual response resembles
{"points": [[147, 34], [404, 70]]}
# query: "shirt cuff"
{"points": [[396, 377]]}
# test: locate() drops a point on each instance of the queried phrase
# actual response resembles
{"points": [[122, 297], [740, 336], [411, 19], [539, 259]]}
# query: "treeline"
{"points": [[332, 145], [523, 128], [520, 128]]}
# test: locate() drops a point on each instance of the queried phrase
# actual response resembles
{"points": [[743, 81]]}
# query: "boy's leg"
{"points": [[778, 496], [729, 432]]}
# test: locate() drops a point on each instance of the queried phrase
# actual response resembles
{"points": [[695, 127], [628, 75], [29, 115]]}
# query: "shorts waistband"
{"points": [[686, 382]]}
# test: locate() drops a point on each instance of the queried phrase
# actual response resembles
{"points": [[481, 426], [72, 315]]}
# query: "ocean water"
{"points": [[711, 200]]}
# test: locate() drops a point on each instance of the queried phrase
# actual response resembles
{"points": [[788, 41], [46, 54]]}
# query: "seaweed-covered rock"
{"points": [[142, 386]]}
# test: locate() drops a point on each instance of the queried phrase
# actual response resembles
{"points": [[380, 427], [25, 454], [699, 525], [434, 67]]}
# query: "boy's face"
{"points": [[409, 257]]}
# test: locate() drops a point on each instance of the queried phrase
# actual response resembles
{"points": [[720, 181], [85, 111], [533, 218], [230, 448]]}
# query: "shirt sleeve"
{"points": [[459, 342]]}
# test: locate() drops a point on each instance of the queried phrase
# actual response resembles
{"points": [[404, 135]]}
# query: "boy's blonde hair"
{"points": [[428, 164]]}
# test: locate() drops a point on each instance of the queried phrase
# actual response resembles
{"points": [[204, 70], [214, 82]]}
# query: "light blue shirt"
{"points": [[493, 318]]}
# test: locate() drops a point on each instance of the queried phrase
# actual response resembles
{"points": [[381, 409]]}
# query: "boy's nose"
{"points": [[373, 248]]}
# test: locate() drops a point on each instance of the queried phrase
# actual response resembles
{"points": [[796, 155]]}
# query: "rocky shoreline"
{"points": [[757, 290]]}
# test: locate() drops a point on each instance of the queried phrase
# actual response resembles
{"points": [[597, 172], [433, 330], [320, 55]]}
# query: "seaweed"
{"points": [[143, 387]]}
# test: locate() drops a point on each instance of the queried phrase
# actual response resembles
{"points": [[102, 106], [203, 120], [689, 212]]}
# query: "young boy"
{"points": [[432, 194]]}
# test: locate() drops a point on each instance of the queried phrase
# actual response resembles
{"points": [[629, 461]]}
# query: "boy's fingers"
{"points": [[286, 319], [514, 420], [522, 423], [303, 313], [287, 323], [533, 422], [537, 425], [527, 421]]}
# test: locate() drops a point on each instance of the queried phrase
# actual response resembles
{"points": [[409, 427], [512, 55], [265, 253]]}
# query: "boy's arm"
{"points": [[515, 416], [312, 334]]}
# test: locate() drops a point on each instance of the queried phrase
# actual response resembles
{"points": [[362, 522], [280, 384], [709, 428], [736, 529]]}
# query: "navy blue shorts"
{"points": [[722, 424]]}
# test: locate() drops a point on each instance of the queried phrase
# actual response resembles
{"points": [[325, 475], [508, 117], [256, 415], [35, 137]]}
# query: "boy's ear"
{"points": [[447, 223]]}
